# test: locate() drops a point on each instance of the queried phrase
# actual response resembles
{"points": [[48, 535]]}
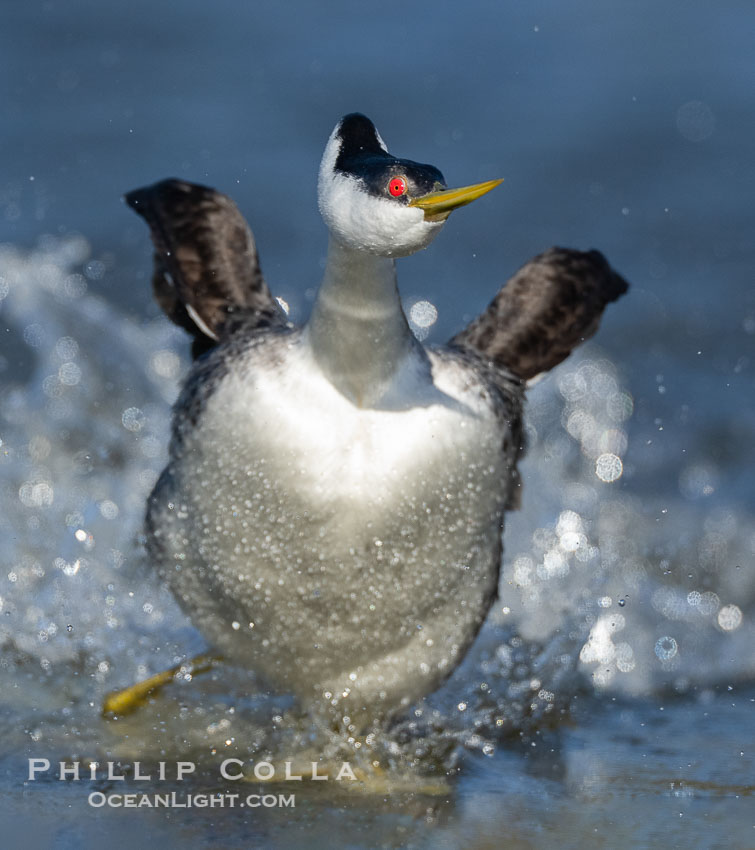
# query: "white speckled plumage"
{"points": [[362, 543]]}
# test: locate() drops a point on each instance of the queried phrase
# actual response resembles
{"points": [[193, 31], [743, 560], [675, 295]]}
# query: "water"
{"points": [[609, 699]]}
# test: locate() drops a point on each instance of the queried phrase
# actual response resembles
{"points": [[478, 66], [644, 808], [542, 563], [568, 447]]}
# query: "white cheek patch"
{"points": [[371, 224], [363, 221], [374, 224]]}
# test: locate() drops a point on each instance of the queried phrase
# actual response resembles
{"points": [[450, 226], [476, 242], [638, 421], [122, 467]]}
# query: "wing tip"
{"points": [[144, 197], [612, 284], [616, 285]]}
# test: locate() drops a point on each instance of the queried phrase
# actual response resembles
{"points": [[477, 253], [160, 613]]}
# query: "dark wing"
{"points": [[546, 309], [207, 274]]}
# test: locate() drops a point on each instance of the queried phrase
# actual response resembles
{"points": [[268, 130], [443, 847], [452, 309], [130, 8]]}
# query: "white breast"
{"points": [[338, 550]]}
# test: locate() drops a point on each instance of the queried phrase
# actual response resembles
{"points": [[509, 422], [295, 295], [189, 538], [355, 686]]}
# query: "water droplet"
{"points": [[730, 617], [422, 316], [133, 419], [608, 467], [666, 648]]}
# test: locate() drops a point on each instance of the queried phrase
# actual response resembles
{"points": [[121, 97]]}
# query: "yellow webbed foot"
{"points": [[129, 699]]}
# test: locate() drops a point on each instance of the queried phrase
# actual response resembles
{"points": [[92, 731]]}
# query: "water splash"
{"points": [[83, 437], [603, 587]]}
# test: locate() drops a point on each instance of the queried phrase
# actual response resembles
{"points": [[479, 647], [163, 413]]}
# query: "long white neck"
{"points": [[358, 332]]}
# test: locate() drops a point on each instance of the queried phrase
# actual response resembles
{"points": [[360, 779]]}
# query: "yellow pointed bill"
{"points": [[439, 205]]}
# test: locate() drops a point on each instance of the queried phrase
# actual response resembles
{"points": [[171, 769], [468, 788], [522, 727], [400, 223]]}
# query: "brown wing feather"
{"points": [[206, 267], [551, 305]]}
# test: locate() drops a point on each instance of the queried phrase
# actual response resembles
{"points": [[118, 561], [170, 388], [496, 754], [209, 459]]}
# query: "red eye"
{"points": [[397, 187]]}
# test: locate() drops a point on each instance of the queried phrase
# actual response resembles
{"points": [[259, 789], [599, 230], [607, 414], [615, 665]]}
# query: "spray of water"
{"points": [[601, 589]]}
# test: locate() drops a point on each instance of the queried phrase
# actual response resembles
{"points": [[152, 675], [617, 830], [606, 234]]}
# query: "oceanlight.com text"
{"points": [[176, 800]]}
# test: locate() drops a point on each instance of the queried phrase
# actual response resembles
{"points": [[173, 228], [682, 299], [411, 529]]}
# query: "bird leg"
{"points": [[129, 699]]}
